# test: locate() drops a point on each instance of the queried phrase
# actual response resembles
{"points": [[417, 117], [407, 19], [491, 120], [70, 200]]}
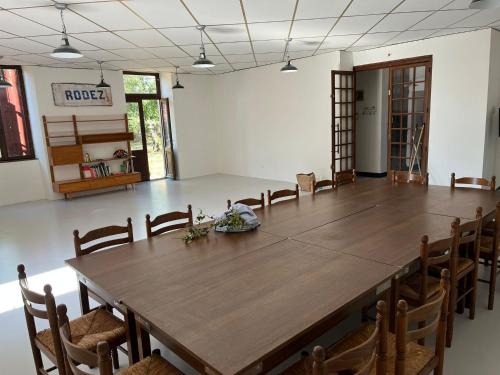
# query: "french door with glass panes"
{"points": [[408, 131], [343, 121]]}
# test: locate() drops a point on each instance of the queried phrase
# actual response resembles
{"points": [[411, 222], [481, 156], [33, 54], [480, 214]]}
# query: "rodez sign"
{"points": [[81, 94]]}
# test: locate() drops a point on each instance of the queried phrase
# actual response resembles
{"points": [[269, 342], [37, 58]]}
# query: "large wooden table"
{"points": [[242, 303]]}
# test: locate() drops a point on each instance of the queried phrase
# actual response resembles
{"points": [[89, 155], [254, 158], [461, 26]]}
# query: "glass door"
{"points": [[154, 138], [138, 145]]}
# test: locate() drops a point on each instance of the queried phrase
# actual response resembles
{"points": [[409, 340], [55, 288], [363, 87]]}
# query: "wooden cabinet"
{"points": [[78, 185], [63, 155]]}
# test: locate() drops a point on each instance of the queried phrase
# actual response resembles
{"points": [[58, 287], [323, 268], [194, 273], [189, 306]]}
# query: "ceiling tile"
{"points": [[133, 53], [240, 58], [111, 15], [421, 5], [105, 40], [3, 34], [265, 10], [15, 24], [127, 64], [25, 45], [300, 54], [269, 30], [310, 28], [215, 12], [442, 19], [481, 18], [182, 35], [11, 4], [181, 61], [6, 51], [194, 50], [227, 33], [55, 41], [244, 65], [458, 4], [154, 63], [355, 25], [375, 39], [51, 17], [102, 55], [263, 58], [34, 59], [269, 46], [235, 48], [362, 7], [304, 44], [162, 13], [451, 31], [410, 35], [320, 8], [340, 41], [399, 21], [145, 38], [165, 52]]}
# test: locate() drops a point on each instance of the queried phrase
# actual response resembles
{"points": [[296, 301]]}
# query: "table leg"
{"points": [[84, 298], [144, 341], [132, 345]]}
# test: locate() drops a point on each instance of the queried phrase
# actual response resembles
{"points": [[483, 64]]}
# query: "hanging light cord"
{"points": [[287, 51], [63, 24], [202, 45], [102, 75], [176, 75]]}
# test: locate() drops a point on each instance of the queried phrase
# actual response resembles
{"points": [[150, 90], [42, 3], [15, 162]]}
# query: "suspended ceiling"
{"points": [[156, 35]]}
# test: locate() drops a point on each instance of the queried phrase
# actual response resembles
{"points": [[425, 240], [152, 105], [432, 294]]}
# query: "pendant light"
{"points": [[3, 83], [484, 4], [65, 51], [288, 67], [102, 84], [177, 85], [202, 62]]}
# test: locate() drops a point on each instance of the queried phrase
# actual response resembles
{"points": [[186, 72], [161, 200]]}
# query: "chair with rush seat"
{"points": [[323, 185], [182, 220], [284, 193], [398, 177], [344, 178], [490, 242], [470, 182], [251, 202]]}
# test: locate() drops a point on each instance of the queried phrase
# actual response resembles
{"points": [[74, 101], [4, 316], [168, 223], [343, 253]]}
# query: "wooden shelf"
{"points": [[64, 155], [105, 137], [83, 184], [105, 160]]}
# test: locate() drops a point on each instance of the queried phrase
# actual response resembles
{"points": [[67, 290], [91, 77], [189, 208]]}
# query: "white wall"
{"points": [[492, 137], [21, 181], [458, 98]]}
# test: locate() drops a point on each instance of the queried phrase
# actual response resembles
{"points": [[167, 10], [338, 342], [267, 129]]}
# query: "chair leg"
{"points": [[114, 357], [422, 340], [473, 299], [451, 316], [493, 282], [461, 289]]}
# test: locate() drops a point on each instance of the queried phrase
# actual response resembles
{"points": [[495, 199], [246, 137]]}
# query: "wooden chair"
{"points": [[490, 241], [167, 218], [473, 181], [361, 352], [48, 341], [100, 357], [321, 185], [251, 202], [344, 178], [399, 177], [278, 194]]}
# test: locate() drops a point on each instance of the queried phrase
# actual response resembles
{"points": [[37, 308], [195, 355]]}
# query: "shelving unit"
{"points": [[66, 149]]}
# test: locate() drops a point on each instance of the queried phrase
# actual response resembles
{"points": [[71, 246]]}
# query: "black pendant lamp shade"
{"points": [[65, 50], [102, 84], [288, 67], [177, 84], [3, 83], [202, 62]]}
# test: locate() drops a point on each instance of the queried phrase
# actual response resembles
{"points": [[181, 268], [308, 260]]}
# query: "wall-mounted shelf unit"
{"points": [[66, 139]]}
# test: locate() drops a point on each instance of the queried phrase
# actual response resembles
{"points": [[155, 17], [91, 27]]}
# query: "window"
{"points": [[141, 83], [15, 133]]}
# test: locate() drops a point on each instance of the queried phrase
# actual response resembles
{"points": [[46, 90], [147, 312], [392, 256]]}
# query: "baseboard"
{"points": [[371, 174]]}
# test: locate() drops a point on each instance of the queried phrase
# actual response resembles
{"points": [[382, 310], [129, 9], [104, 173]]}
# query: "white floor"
{"points": [[39, 234]]}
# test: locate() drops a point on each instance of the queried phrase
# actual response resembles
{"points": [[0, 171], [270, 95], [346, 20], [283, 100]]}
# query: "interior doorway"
{"points": [[149, 120]]}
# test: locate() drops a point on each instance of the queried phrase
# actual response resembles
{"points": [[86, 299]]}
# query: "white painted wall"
{"points": [[458, 98], [21, 181], [492, 137]]}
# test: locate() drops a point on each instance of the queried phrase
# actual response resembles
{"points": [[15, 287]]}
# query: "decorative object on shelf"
{"points": [[3, 83], [81, 95], [177, 85], [239, 218], [199, 229], [202, 61], [120, 154], [288, 68], [65, 50], [87, 158], [102, 84]]}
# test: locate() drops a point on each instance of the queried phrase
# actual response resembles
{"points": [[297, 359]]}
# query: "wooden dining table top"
{"points": [[232, 300]]}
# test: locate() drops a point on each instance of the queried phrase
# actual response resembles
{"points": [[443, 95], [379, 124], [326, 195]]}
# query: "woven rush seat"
{"points": [[153, 365], [89, 329], [417, 356], [410, 288]]}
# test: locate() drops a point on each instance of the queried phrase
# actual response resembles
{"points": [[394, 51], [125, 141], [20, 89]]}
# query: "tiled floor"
{"points": [[39, 234]]}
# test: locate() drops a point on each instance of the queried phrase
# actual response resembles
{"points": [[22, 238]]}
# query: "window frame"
{"points": [[156, 95], [4, 158]]}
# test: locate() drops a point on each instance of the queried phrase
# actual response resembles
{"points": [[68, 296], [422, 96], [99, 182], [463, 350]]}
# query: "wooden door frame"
{"points": [[132, 99], [426, 60]]}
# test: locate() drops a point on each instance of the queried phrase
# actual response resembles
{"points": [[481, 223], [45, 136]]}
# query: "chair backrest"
{"points": [[319, 185], [251, 202], [473, 181], [344, 178], [101, 234], [76, 355], [182, 219], [47, 312], [471, 231], [399, 177], [370, 354], [433, 314], [491, 226], [284, 193]]}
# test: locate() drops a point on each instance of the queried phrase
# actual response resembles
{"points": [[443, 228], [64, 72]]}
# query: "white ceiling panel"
{"points": [[263, 58], [266, 10], [25, 45], [235, 48], [182, 35], [304, 44], [310, 28], [482, 18], [244, 65], [411, 35], [421, 5], [55, 41], [458, 4], [15, 24], [215, 12], [102, 55], [6, 51], [228, 33], [133, 53], [181, 61], [110, 15], [452, 31], [340, 41], [362, 7], [399, 21], [145, 38], [105, 40], [320, 8], [175, 14], [154, 63], [3, 34], [300, 54], [269, 46], [11, 4], [165, 52], [240, 58], [35, 59], [50, 16], [127, 64], [355, 25], [442, 19], [269, 30], [194, 49], [375, 39]]}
